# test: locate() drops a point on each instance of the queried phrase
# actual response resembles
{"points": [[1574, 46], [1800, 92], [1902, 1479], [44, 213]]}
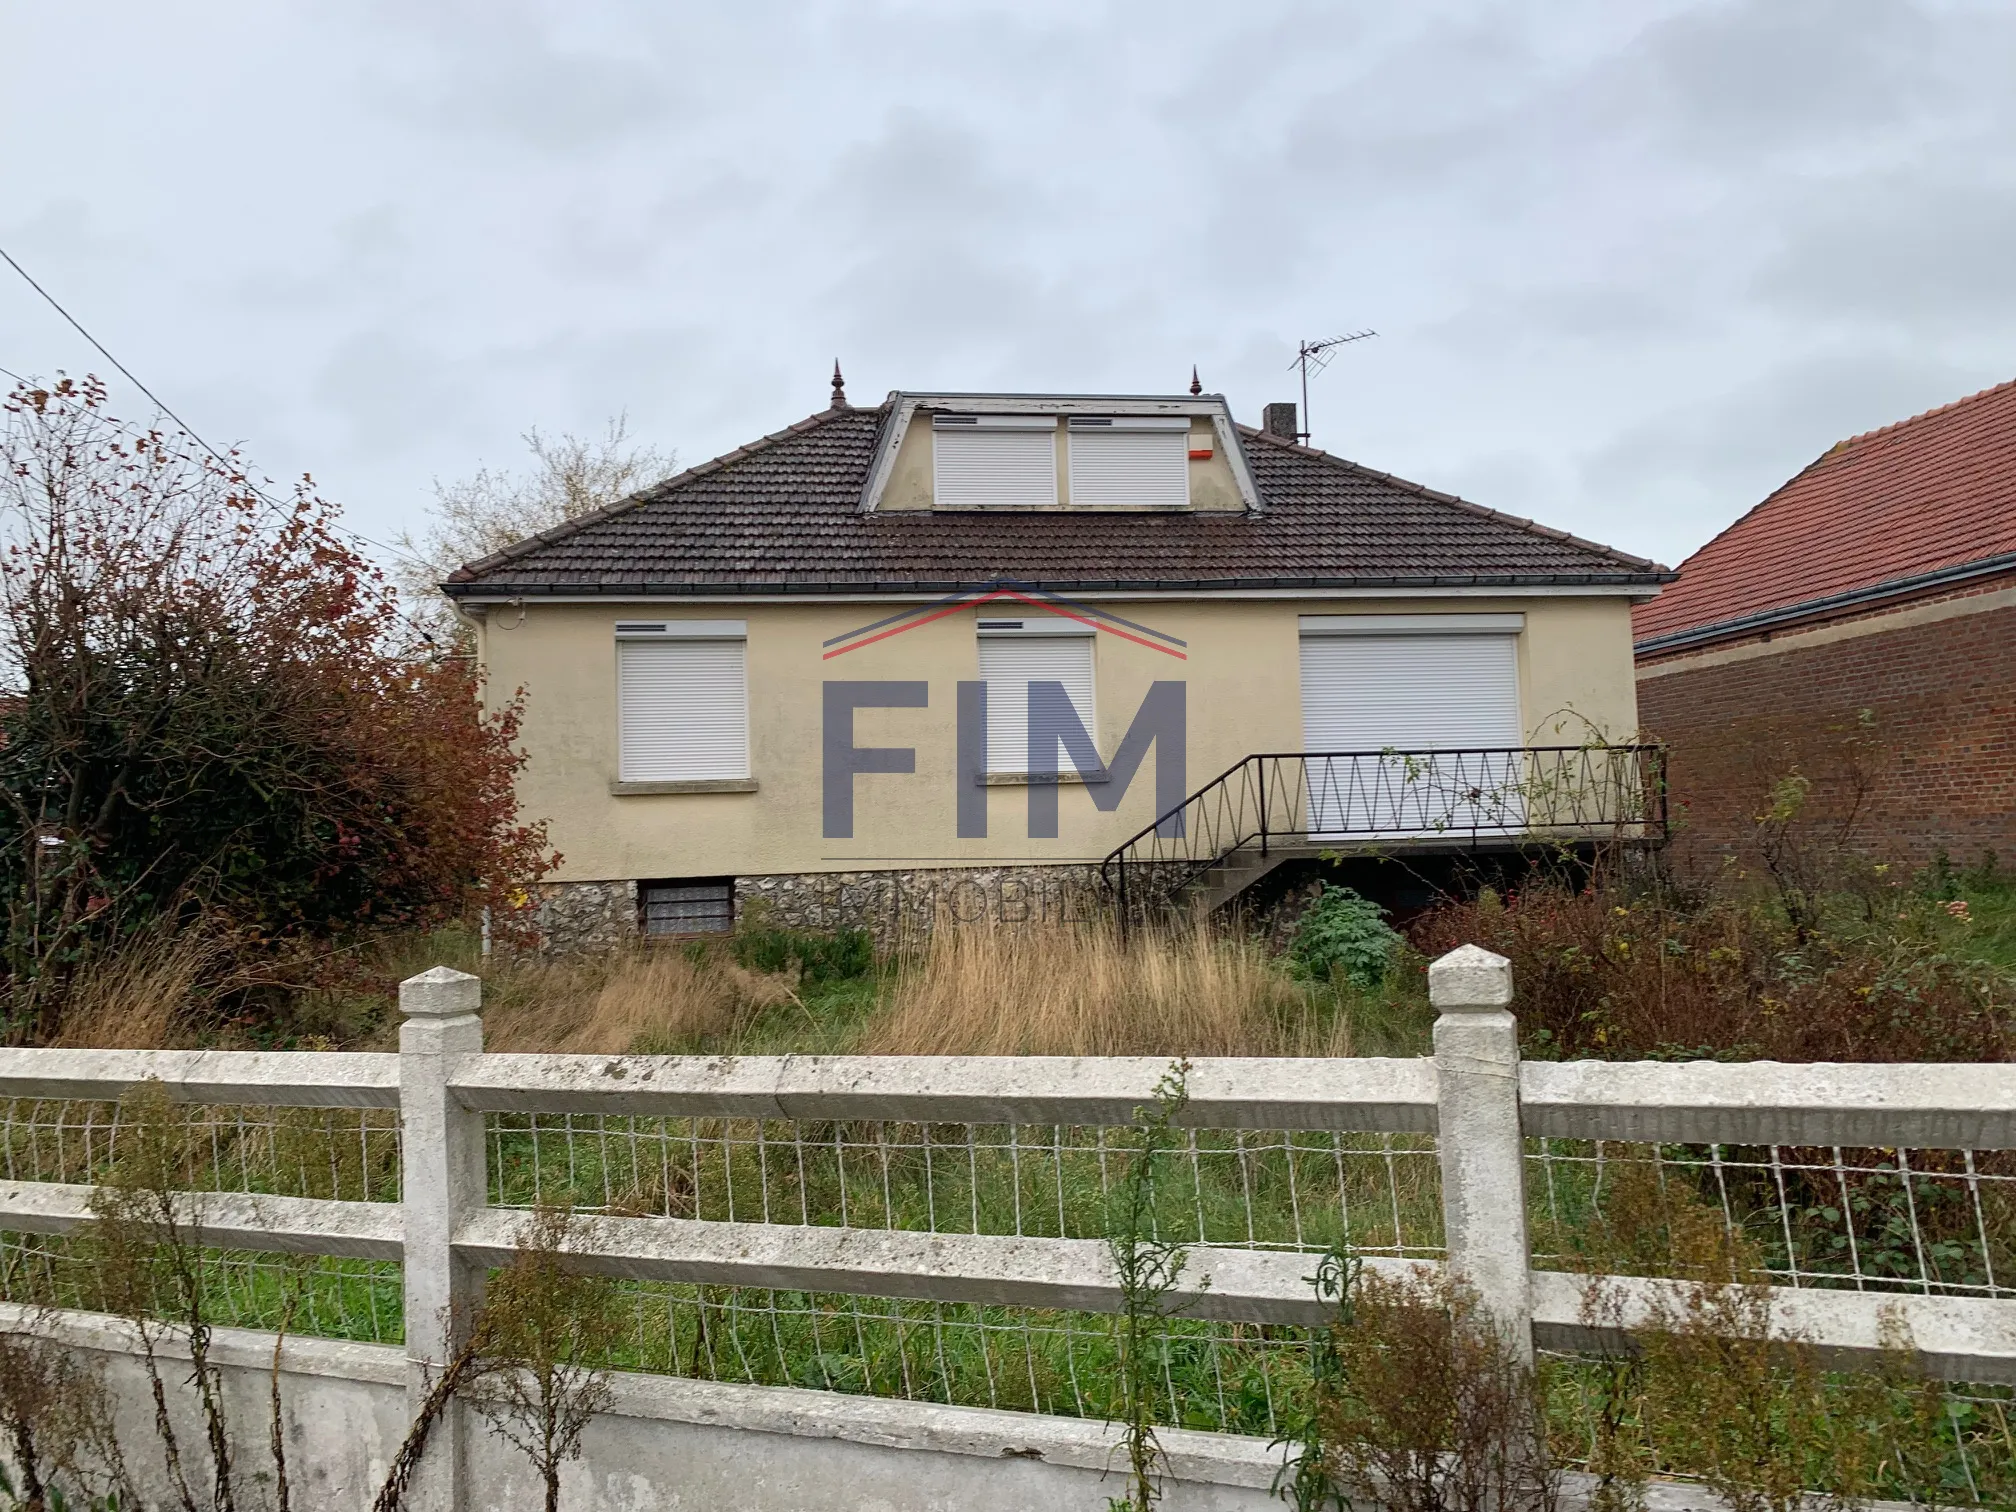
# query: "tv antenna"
{"points": [[1314, 356]]}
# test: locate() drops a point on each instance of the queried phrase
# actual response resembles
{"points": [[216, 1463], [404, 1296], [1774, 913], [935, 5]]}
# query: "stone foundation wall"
{"points": [[577, 918], [897, 905], [586, 918]]}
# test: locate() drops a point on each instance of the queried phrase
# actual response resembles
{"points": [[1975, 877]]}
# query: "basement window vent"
{"points": [[688, 906]]}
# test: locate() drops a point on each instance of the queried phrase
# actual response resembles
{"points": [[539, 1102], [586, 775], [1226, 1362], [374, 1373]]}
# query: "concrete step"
{"points": [[1238, 871]]}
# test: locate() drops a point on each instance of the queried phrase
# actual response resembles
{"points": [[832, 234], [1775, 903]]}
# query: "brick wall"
{"points": [[1930, 767]]}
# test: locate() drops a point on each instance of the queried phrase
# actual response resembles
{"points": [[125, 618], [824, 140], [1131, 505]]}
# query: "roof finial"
{"points": [[1195, 386], [839, 387]]}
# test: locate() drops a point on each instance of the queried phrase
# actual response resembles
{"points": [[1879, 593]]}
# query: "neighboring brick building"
{"points": [[1857, 628]]}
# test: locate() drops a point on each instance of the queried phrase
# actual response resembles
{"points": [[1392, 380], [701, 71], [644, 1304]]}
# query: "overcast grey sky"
{"points": [[1632, 263]]}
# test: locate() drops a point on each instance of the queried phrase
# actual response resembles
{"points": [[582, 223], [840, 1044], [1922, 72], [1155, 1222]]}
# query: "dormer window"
{"points": [[1150, 453], [1130, 461], [994, 461]]}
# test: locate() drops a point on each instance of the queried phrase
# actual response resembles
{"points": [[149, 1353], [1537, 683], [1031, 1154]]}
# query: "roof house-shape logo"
{"points": [[1011, 591]]}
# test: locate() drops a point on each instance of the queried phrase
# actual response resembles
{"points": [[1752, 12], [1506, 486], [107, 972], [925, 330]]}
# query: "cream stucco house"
{"points": [[955, 650]]}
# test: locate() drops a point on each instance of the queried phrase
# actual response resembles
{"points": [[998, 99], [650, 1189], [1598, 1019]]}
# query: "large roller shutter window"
{"points": [[1132, 462], [1377, 706], [682, 695], [993, 461], [1011, 659]]}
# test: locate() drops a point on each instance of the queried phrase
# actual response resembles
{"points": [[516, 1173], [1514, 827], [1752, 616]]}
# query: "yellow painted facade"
{"points": [[1242, 670]]}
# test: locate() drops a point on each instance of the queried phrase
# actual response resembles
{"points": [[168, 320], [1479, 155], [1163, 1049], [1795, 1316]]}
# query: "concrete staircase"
{"points": [[1233, 873]]}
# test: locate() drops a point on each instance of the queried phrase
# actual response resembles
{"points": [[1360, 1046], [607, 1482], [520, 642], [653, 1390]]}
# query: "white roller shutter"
{"points": [[1411, 693], [994, 461], [1008, 664], [683, 709], [1130, 463]]}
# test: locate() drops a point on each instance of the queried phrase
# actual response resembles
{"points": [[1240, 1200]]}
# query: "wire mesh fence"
{"points": [[1932, 1222], [1223, 1377], [1378, 1194], [1938, 1222], [350, 1154], [318, 1295]]}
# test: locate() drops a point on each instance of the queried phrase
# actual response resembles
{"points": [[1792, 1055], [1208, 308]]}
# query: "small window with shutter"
{"points": [[688, 906], [1130, 461], [993, 461], [1015, 653], [682, 698]]}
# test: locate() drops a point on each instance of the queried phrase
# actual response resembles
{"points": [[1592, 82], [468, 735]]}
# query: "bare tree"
{"points": [[568, 476]]}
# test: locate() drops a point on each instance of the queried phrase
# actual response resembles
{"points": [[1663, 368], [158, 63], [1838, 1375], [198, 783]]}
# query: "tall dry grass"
{"points": [[645, 999], [1082, 990], [145, 996]]}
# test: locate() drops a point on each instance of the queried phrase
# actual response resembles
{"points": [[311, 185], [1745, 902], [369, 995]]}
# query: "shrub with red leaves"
{"points": [[209, 705], [1603, 974]]}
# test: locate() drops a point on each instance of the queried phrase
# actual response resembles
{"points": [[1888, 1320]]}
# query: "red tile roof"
{"points": [[1936, 491], [783, 515]]}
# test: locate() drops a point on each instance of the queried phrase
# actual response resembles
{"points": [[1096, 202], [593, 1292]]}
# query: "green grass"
{"points": [[1989, 936], [1306, 1191]]}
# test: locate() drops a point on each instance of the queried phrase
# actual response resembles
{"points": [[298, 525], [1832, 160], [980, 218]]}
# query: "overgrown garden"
{"points": [[245, 795]]}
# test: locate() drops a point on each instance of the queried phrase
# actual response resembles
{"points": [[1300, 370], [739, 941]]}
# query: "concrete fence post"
{"points": [[1482, 1151], [441, 1180]]}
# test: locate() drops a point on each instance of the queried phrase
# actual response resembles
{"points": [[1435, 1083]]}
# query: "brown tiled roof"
{"points": [[783, 515], [1920, 499]]}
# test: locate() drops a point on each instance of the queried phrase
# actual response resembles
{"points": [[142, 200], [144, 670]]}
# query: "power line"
{"points": [[162, 405], [191, 431]]}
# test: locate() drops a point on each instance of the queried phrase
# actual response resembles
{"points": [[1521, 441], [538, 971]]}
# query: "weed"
{"points": [[1427, 1408], [1345, 936], [57, 1422], [543, 1328], [1308, 1479], [153, 1271], [1713, 1387], [1148, 1267], [661, 1000], [1614, 974], [844, 955], [443, 1390]]}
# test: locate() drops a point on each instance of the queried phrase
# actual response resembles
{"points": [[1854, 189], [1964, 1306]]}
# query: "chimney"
{"points": [[1279, 420]]}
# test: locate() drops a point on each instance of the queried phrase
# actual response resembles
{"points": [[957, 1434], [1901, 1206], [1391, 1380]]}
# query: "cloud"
{"points": [[498, 71], [1696, 466], [1631, 265], [1900, 251]]}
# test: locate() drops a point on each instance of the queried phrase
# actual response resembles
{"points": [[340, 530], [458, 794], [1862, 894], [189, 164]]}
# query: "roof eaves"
{"points": [[550, 536], [1531, 527], [1853, 598], [783, 587]]}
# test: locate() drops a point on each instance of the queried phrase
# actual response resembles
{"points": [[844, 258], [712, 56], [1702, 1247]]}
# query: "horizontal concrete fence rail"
{"points": [[1931, 1107], [1956, 1338], [1482, 1105]]}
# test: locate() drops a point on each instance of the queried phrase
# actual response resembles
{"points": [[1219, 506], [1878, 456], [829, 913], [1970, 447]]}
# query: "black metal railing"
{"points": [[1304, 799]]}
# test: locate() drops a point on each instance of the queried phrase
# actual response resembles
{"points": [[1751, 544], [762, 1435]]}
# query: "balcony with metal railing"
{"points": [[1275, 807]]}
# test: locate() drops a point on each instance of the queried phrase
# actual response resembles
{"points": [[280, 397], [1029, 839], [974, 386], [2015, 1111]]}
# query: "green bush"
{"points": [[1344, 935], [837, 957]]}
